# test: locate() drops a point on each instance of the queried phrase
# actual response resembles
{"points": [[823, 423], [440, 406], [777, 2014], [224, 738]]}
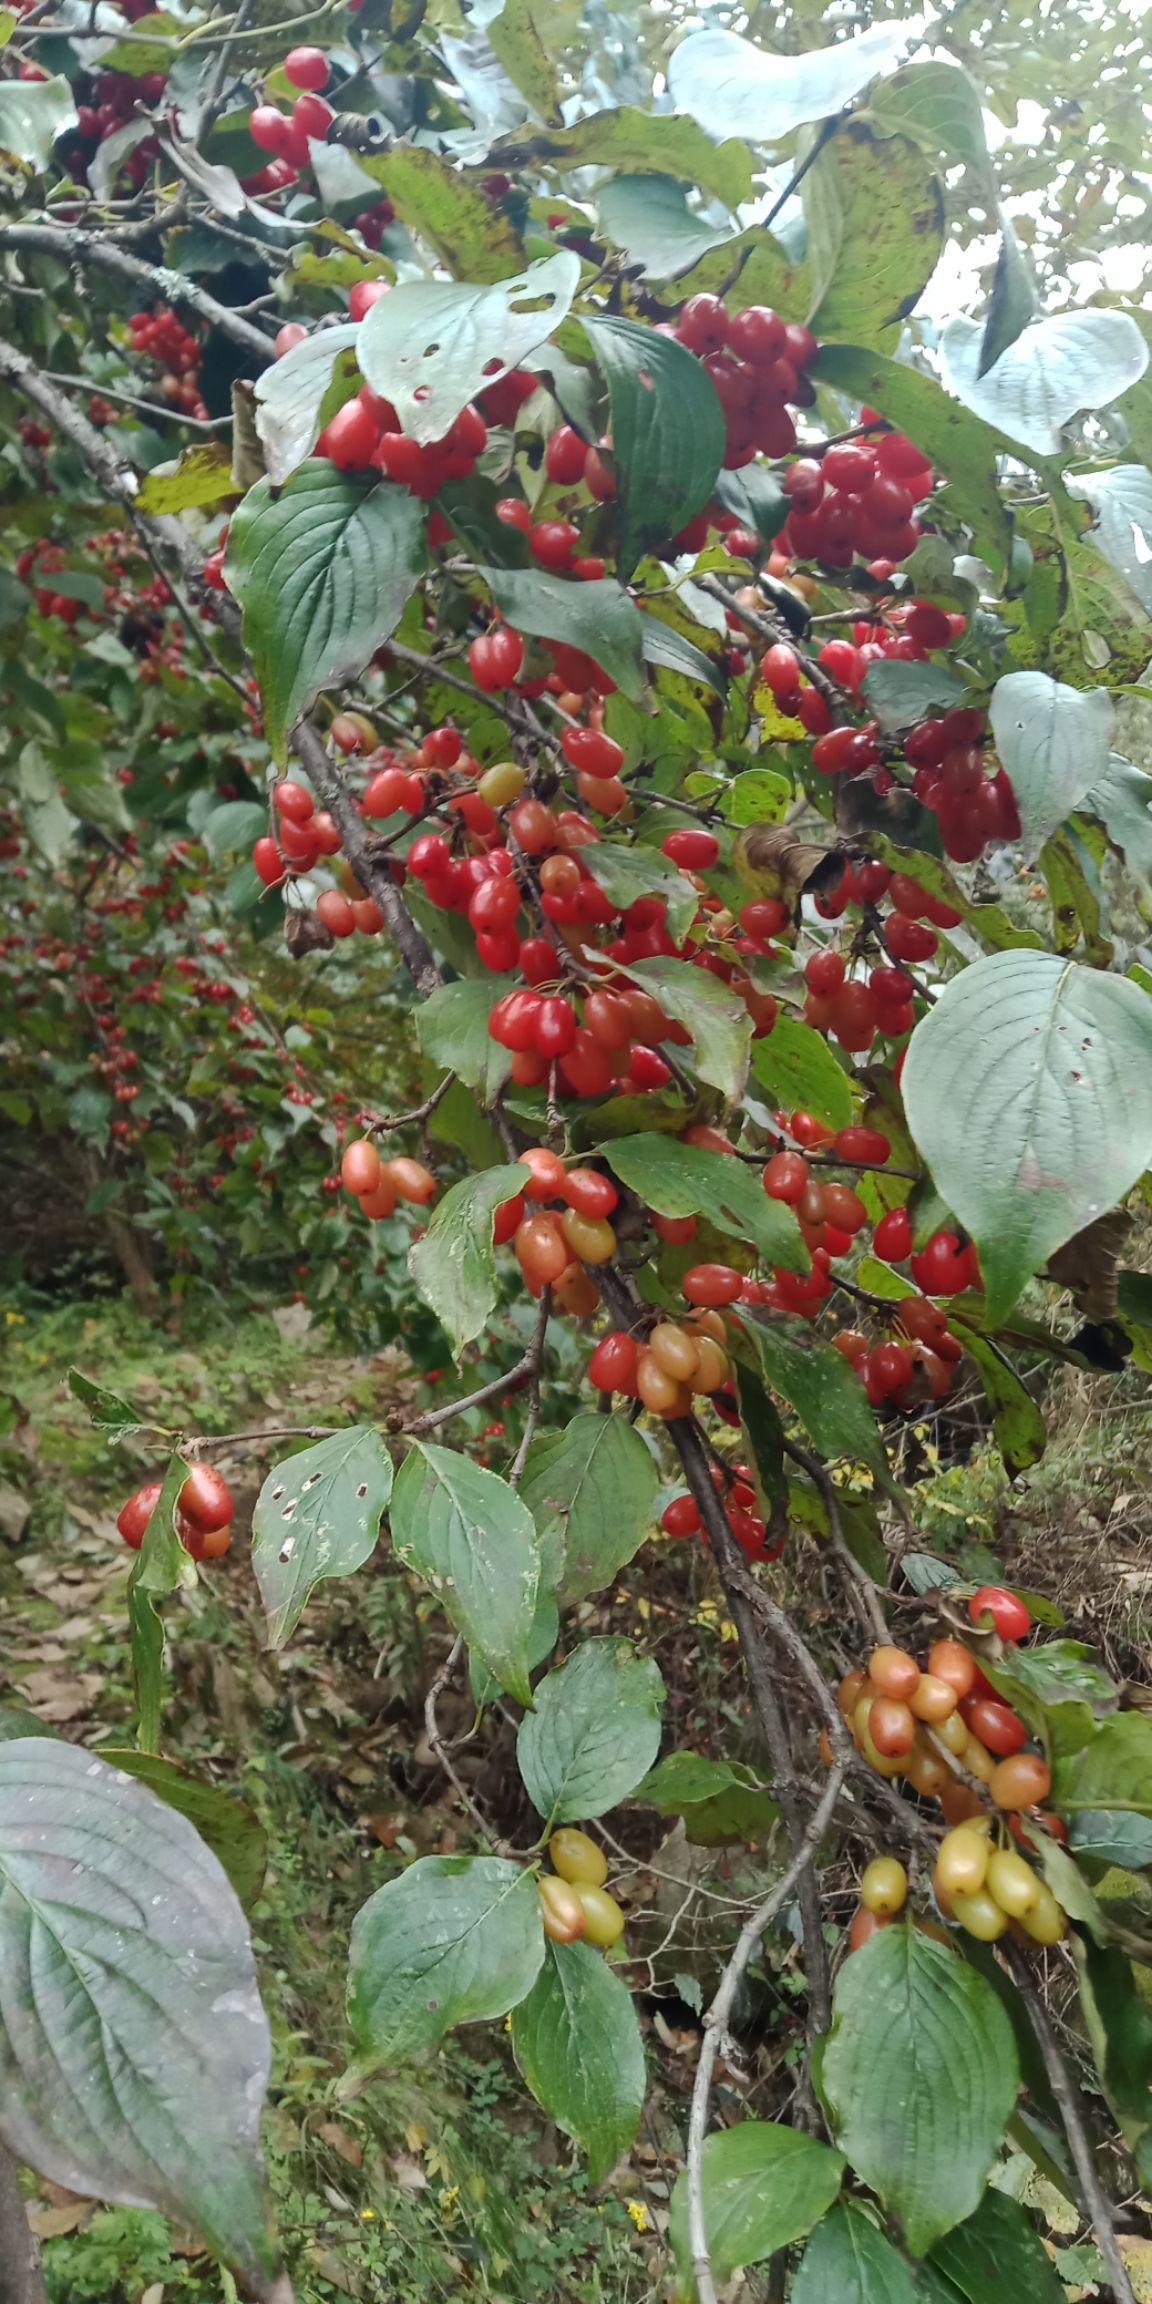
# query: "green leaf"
{"points": [[1119, 1839], [429, 351], [231, 829], [1120, 2029], [468, 232], [901, 694], [598, 1479], [650, 219], [1121, 502], [1028, 1089], [322, 572], [1112, 1771], [920, 2075], [679, 1179], [452, 1028], [577, 2042], [453, 1263], [594, 1733], [291, 396], [763, 2187], [667, 432], [721, 1801], [627, 141], [598, 617], [474, 1541], [875, 212], [719, 1023], [754, 494], [849, 2260], [317, 1515], [107, 1410], [519, 35], [1056, 1673], [1021, 1433], [1056, 367], [112, 1910], [1013, 300], [797, 1067], [663, 644], [939, 105], [817, 1382], [1122, 799], [228, 1827], [454, 1939], [735, 89], [200, 475], [47, 822], [960, 445], [33, 113], [758, 796], [1053, 743], [625, 874], [997, 2257], [763, 1431]]}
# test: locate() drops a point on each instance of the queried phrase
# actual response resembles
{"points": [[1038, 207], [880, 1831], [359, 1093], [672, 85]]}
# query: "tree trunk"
{"points": [[21, 2279], [135, 1263]]}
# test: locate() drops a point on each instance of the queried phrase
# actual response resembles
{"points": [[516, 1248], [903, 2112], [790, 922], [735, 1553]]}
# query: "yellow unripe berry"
{"points": [[578, 1858], [884, 1886], [603, 1916]]}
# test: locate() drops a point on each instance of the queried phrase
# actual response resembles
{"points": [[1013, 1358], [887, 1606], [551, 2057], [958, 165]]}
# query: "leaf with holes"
{"points": [[1053, 743], [474, 1541], [735, 89], [718, 1021], [318, 1515], [598, 1479], [1028, 1089], [598, 617], [292, 396], [763, 2187], [595, 1731], [1056, 368], [453, 1940], [322, 572], [453, 1263], [112, 1910], [576, 2039], [919, 2074], [685, 1180], [428, 346], [667, 432]]}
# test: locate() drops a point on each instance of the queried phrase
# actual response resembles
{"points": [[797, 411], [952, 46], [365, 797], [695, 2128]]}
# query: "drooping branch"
{"points": [[89, 248], [717, 2019]]}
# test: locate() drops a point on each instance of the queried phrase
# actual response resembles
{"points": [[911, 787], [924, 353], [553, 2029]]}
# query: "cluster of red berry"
{"points": [[285, 136], [203, 1513], [378, 1184], [163, 336], [757, 362], [857, 501]]}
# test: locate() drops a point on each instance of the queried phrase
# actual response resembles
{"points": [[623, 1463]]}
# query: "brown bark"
{"points": [[21, 2279]]}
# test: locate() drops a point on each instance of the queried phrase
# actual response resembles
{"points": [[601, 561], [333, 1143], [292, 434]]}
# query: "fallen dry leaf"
{"points": [[49, 2223], [349, 2147]]}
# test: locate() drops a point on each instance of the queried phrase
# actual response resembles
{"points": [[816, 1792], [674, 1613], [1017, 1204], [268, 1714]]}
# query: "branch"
{"points": [[525, 1372], [861, 1589], [773, 629], [83, 248], [373, 871], [1093, 2197], [716, 2022], [21, 2280]]}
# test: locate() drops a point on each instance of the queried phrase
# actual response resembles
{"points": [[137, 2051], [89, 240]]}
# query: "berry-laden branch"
{"points": [[156, 280], [718, 2015], [373, 871]]}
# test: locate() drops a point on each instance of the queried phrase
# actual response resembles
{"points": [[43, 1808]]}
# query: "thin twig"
{"points": [[861, 1589], [523, 1373], [716, 2022], [1067, 2095], [72, 247]]}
